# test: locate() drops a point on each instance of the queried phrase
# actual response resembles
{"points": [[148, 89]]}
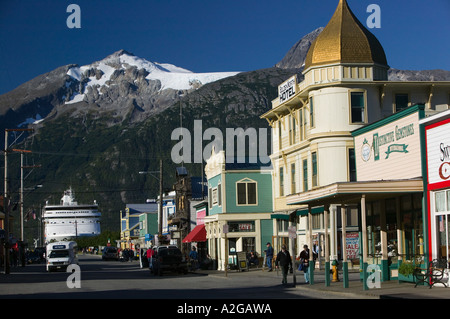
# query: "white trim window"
{"points": [[246, 192]]}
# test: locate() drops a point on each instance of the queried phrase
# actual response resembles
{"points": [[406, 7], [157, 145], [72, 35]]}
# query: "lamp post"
{"points": [[160, 193]]}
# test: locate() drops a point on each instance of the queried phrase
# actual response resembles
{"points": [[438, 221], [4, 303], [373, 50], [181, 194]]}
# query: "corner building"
{"points": [[345, 87]]}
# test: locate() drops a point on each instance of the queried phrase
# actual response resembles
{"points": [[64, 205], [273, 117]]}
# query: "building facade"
{"points": [[240, 199], [345, 87], [437, 187]]}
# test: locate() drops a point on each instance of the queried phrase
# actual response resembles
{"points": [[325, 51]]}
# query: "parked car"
{"points": [[168, 258], [110, 253], [33, 257]]}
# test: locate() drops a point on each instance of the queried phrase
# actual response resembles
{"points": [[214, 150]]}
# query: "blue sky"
{"points": [[204, 36]]}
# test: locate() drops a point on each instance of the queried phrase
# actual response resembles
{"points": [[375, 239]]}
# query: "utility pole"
{"points": [[21, 187], [6, 207], [160, 198], [6, 201], [161, 193]]}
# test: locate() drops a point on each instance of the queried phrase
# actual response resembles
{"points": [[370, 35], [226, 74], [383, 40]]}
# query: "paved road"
{"points": [[125, 280]]}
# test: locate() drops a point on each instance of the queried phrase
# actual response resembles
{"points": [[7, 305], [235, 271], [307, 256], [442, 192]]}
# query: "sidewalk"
{"points": [[389, 289]]}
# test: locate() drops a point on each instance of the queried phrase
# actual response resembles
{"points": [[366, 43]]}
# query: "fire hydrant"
{"points": [[334, 271]]}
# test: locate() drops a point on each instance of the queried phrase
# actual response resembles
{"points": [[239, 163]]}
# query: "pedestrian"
{"points": [[131, 254], [284, 261], [150, 253], [304, 261], [269, 256], [193, 257]]}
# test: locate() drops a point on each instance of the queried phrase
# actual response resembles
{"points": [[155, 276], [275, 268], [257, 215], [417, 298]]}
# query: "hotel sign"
{"points": [[438, 153], [287, 89]]}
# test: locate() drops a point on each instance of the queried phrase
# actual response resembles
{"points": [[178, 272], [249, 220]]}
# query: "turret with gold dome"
{"points": [[345, 40], [347, 50]]}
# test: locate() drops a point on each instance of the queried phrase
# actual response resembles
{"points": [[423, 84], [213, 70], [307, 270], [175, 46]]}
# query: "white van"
{"points": [[61, 254]]}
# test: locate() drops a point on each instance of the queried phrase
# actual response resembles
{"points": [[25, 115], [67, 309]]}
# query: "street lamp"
{"points": [[160, 193]]}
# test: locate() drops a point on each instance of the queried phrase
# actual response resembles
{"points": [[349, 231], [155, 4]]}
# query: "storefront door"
{"points": [[442, 231], [441, 249]]}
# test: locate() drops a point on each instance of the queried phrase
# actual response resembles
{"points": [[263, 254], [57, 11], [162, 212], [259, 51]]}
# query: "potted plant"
{"points": [[406, 271]]}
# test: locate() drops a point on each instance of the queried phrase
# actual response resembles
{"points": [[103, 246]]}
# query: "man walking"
{"points": [[269, 256], [284, 260]]}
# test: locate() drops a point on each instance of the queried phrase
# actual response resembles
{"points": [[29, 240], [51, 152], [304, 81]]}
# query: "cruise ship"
{"points": [[70, 220]]}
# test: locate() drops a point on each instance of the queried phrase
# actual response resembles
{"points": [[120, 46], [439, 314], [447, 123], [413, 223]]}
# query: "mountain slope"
{"points": [[120, 86]]}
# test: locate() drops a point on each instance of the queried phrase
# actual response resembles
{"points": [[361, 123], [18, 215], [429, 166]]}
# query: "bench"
{"points": [[433, 274]]}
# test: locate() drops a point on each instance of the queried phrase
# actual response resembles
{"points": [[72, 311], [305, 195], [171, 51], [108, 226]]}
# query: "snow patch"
{"points": [[37, 119], [170, 76]]}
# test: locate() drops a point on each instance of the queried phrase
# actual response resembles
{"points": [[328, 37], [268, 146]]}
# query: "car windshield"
{"points": [[59, 254]]}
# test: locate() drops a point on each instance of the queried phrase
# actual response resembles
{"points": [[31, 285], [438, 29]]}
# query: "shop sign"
{"points": [[245, 227], [390, 151], [286, 90], [241, 226], [389, 138], [352, 245], [438, 152]]}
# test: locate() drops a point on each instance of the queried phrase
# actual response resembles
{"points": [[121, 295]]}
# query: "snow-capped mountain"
{"points": [[120, 86], [101, 75]]}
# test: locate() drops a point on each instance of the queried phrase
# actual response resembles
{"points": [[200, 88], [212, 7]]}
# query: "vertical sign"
{"points": [[352, 245]]}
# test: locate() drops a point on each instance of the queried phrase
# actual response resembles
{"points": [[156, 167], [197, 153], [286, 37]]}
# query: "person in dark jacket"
{"points": [[285, 262], [269, 256]]}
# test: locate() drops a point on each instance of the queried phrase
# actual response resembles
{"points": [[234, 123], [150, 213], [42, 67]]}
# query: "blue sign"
{"points": [[148, 237]]}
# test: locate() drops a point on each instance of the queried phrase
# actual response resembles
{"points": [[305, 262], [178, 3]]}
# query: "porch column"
{"points": [[311, 259], [344, 245], [399, 233], [333, 252], [364, 240], [327, 246], [384, 249]]}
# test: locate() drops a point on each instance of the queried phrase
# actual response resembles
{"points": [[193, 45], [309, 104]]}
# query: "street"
{"points": [[126, 280]]}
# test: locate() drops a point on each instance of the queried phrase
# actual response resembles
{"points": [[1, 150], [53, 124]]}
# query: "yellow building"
{"points": [[345, 87]]}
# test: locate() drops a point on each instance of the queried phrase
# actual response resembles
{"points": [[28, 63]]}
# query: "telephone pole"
{"points": [[21, 187], [6, 200]]}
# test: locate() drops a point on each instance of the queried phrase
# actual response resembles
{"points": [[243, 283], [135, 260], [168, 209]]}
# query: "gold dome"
{"points": [[345, 40]]}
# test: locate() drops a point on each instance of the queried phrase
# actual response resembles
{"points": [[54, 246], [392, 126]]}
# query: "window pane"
{"points": [[281, 182], [314, 169], [241, 188], [401, 102], [448, 201], [357, 107], [440, 201], [305, 175], [352, 164], [251, 190]]}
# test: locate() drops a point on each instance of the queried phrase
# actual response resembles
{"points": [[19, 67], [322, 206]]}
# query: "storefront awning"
{"points": [[198, 234], [351, 192]]}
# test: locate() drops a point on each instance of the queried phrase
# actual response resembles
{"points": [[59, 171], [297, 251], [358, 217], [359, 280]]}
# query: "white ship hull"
{"points": [[70, 220]]}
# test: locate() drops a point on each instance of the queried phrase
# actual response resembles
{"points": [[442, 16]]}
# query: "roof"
{"points": [[345, 40], [142, 208]]}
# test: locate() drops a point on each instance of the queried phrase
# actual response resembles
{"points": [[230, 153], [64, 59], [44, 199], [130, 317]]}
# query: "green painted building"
{"points": [[239, 199]]}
